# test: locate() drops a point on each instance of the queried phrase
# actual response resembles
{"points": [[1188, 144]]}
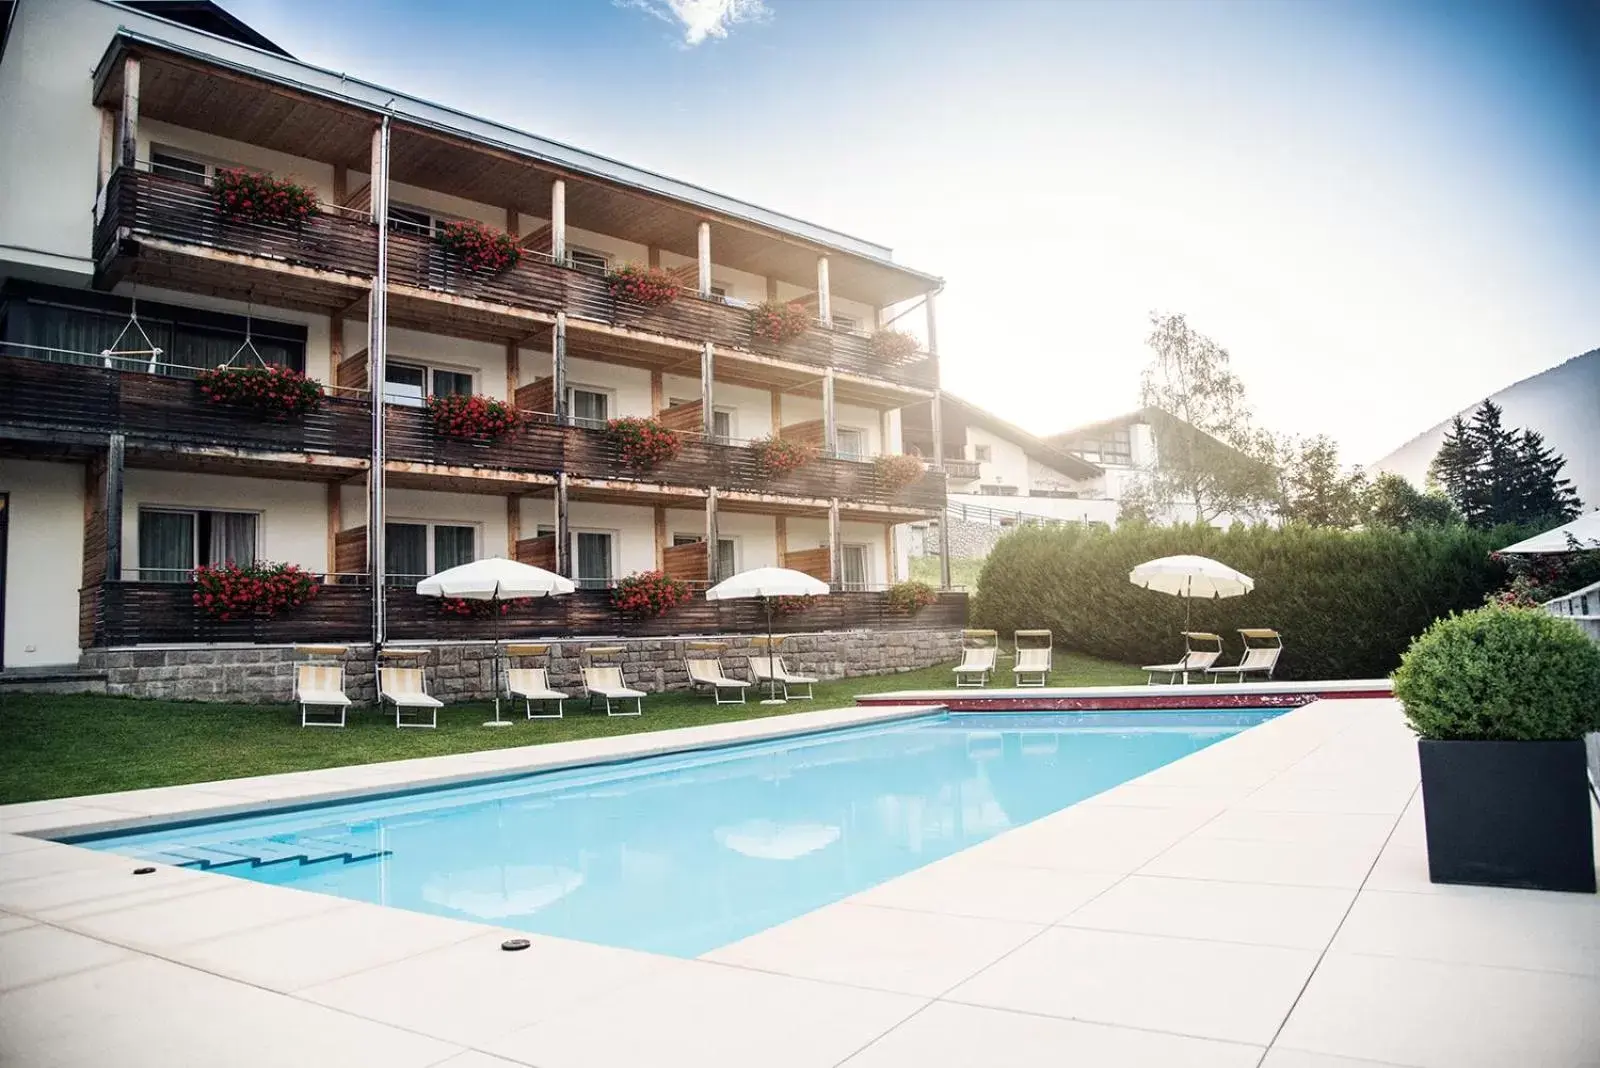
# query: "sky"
{"points": [[1383, 210]]}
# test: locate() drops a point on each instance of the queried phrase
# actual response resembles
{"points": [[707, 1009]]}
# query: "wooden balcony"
{"points": [[155, 613], [68, 404], [961, 470], [540, 446]]}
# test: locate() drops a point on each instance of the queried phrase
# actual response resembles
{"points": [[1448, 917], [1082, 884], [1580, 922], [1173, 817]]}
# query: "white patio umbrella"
{"points": [[494, 580], [1190, 577], [766, 840], [767, 583], [1584, 532]]}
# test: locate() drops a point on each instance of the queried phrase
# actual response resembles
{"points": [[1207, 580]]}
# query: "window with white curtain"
{"points": [[413, 551], [853, 566], [175, 541], [850, 443], [589, 407], [593, 557]]}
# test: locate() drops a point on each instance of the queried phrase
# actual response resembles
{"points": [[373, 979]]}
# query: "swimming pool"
{"points": [[683, 853]]}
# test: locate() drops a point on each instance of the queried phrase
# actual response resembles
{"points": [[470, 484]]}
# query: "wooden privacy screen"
{"points": [[537, 396], [350, 551], [538, 552], [352, 372], [685, 562], [684, 418], [818, 563], [808, 433]]}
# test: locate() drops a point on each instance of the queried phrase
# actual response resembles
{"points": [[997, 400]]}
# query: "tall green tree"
{"points": [[1316, 490], [1495, 474], [1391, 501], [1211, 458]]}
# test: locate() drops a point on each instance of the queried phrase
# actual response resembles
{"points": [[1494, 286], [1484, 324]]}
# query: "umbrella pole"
{"points": [[494, 671], [772, 660]]}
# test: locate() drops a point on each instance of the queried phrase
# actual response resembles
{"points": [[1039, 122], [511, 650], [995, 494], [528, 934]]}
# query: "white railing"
{"points": [[1580, 606]]}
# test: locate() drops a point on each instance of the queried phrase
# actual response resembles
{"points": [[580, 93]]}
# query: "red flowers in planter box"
{"points": [[256, 197], [479, 247], [897, 471], [471, 418], [467, 608], [230, 591], [648, 286], [644, 443], [895, 346], [778, 323], [909, 598], [273, 389], [649, 593], [778, 456], [788, 606]]}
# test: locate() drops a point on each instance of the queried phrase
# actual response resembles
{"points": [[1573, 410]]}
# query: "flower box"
{"points": [[643, 443], [471, 608], [779, 323], [478, 247], [271, 389], [649, 287], [897, 471], [471, 418], [649, 593], [779, 456], [251, 196], [792, 605], [895, 346], [909, 598], [261, 590]]}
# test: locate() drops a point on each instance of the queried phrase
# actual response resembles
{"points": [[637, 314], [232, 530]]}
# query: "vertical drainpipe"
{"points": [[377, 359], [938, 444]]}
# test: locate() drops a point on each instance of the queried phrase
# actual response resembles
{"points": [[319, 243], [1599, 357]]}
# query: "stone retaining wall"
{"points": [[462, 671]]}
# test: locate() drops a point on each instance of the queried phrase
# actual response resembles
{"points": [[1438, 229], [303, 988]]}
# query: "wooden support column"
{"points": [[108, 146], [513, 370], [824, 297], [341, 183], [661, 538], [332, 564], [835, 564], [115, 451], [558, 220], [658, 393], [830, 418], [129, 132], [772, 290], [891, 561], [513, 222], [711, 535], [652, 256], [933, 325], [558, 367], [513, 524], [777, 413], [936, 417], [563, 528], [703, 243], [707, 389], [780, 535]]}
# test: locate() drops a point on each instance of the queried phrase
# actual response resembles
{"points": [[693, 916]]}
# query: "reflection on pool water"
{"points": [[681, 854]]}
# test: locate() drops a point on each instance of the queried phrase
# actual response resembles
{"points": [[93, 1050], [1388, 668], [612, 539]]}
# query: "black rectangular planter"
{"points": [[1508, 814]]}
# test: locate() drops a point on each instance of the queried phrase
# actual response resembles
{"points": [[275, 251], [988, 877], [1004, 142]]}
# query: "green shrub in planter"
{"points": [[1501, 674], [1502, 698]]}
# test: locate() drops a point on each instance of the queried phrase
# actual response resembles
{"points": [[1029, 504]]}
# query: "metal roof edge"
{"points": [[354, 92]]}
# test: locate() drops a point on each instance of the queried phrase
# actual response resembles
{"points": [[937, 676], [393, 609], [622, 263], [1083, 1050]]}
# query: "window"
{"points": [[844, 322], [983, 453], [719, 291], [1118, 448], [850, 443], [592, 553], [173, 542], [727, 553], [853, 566], [587, 260], [169, 164], [410, 220], [409, 383], [413, 551], [991, 490], [589, 407]]}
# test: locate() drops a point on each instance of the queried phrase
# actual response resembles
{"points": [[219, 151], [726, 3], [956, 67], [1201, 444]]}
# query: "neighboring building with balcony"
{"points": [[121, 278]]}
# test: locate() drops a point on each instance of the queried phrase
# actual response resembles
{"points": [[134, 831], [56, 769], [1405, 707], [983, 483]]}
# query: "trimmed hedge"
{"points": [[1347, 603], [1501, 674]]}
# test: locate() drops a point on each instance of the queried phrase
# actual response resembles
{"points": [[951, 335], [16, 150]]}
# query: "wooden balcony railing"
{"points": [[154, 613], [140, 203], [961, 469], [541, 446], [46, 394]]}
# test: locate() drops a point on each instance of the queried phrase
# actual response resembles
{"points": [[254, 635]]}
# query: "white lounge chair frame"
{"points": [[321, 685], [607, 682], [1195, 661], [705, 669], [775, 671], [979, 651], [1259, 659], [1033, 661], [407, 689], [532, 683]]}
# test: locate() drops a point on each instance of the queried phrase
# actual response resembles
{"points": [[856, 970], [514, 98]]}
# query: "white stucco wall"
{"points": [[293, 524], [1007, 464], [484, 360], [629, 386], [44, 561]]}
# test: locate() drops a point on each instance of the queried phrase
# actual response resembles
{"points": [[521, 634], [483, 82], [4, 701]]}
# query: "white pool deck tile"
{"points": [[1264, 901]]}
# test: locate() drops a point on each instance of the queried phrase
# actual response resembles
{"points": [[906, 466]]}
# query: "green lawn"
{"points": [[962, 572], [63, 746]]}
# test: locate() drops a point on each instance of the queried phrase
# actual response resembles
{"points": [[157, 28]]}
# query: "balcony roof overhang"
{"points": [[230, 90]]}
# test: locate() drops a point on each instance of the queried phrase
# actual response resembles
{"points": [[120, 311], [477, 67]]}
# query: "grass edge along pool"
{"points": [[681, 853]]}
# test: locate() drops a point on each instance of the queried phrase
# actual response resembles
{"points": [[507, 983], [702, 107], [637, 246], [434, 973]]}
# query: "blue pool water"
{"points": [[681, 854]]}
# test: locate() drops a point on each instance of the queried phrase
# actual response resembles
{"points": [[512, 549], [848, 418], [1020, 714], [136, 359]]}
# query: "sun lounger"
{"points": [[771, 669], [407, 690], [1257, 659], [1033, 660], [1194, 661], [607, 683], [320, 686], [707, 671], [976, 666], [533, 684]]}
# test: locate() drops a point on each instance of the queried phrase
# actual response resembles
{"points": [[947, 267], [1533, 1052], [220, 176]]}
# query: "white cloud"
{"points": [[700, 19]]}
